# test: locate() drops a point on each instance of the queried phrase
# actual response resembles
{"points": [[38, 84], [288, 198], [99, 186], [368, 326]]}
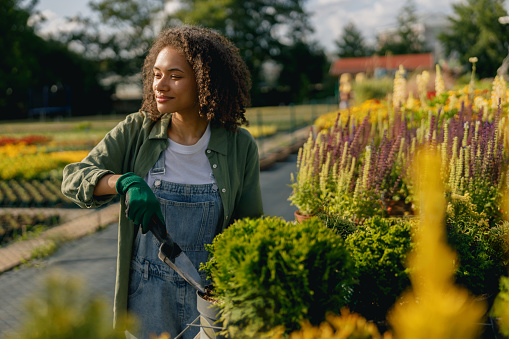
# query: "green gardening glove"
{"points": [[141, 202]]}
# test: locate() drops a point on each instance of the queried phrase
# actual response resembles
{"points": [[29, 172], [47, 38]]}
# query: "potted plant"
{"points": [[306, 185], [210, 324], [327, 166], [353, 171], [270, 274]]}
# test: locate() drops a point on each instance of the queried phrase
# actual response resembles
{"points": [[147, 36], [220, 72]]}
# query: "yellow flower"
{"points": [[69, 156], [422, 85], [24, 163], [499, 92], [439, 82], [480, 103], [411, 103], [15, 150], [399, 90], [472, 60], [452, 103]]}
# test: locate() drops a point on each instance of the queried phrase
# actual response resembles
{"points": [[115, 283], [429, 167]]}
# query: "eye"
{"points": [[174, 76], [157, 75]]}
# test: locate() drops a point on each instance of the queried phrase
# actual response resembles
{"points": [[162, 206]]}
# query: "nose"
{"points": [[160, 85]]}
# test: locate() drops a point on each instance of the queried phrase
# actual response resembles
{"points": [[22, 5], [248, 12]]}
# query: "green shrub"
{"points": [[339, 224], [268, 273], [379, 249], [481, 248], [372, 89]]}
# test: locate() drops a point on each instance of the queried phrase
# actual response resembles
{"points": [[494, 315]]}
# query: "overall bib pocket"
{"points": [[199, 214]]}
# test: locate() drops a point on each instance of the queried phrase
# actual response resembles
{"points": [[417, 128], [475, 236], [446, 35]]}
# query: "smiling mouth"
{"points": [[162, 99]]}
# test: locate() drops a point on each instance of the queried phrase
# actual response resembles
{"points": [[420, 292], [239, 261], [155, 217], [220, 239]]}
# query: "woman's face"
{"points": [[174, 84]]}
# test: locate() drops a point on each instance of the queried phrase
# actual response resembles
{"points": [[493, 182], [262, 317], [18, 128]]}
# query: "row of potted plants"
{"points": [[358, 169]]}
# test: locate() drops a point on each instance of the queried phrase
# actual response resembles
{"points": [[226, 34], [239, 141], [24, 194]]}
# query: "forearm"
{"points": [[106, 185]]}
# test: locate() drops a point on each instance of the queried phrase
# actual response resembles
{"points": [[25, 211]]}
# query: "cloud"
{"points": [[48, 23], [328, 17]]}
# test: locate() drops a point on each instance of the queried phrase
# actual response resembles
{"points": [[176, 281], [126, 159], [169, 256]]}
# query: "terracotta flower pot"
{"points": [[301, 218]]}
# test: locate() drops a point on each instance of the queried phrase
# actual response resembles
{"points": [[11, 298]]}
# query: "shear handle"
{"points": [[168, 247]]}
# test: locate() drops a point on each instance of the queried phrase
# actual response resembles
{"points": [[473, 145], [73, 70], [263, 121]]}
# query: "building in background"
{"points": [[427, 28], [377, 66]]}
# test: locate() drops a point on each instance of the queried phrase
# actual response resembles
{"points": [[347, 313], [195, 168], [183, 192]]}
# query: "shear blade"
{"points": [[185, 268]]}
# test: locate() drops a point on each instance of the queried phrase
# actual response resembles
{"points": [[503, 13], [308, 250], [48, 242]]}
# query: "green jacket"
{"points": [[134, 145]]}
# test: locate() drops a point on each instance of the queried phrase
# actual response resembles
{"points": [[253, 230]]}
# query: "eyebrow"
{"points": [[170, 70]]}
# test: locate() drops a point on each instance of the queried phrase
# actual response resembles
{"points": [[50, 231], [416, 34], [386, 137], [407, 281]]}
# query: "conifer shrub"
{"points": [[481, 247], [269, 273], [339, 224], [379, 249]]}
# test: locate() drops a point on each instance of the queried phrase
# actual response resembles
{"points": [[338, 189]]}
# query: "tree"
{"points": [[304, 67], [474, 31], [29, 63], [119, 35], [261, 29], [351, 43], [16, 66], [406, 39]]}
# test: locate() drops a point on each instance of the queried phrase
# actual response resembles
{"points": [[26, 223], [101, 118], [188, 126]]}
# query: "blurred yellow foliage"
{"points": [[434, 307], [164, 335], [345, 326], [62, 309], [262, 131]]}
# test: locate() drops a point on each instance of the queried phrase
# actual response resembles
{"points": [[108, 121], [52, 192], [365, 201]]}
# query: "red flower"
{"points": [[29, 140]]}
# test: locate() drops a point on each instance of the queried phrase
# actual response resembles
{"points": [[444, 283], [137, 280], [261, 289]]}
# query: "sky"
{"points": [[328, 17]]}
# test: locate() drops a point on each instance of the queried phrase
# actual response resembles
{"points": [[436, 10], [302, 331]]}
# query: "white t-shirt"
{"points": [[186, 164]]}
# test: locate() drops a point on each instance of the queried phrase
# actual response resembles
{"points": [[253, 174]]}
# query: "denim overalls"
{"points": [[161, 300]]}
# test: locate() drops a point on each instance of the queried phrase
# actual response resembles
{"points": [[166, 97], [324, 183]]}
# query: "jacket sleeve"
{"points": [[107, 157], [250, 202]]}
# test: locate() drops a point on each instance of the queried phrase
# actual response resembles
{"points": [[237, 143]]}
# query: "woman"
{"points": [[182, 158]]}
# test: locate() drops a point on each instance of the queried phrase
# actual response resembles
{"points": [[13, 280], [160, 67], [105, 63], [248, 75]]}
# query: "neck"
{"points": [[186, 131]]}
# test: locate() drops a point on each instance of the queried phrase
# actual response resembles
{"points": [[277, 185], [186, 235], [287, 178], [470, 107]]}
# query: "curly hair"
{"points": [[222, 77]]}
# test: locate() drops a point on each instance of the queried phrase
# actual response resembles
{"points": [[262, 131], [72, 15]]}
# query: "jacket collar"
{"points": [[218, 140], [160, 129]]}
